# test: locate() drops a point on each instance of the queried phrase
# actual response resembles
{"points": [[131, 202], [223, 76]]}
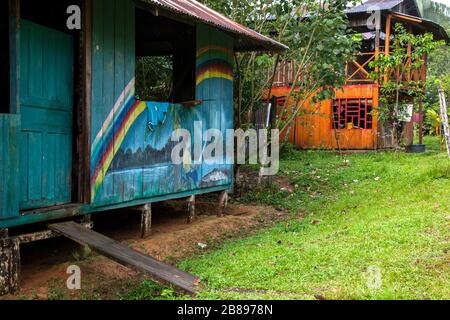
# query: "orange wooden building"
{"points": [[350, 121]]}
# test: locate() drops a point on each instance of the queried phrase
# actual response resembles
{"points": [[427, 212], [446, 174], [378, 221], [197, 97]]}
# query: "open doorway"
{"points": [[165, 59], [49, 103]]}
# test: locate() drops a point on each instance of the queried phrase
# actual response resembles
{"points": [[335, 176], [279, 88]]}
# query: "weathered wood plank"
{"points": [[9, 170], [158, 271], [84, 189]]}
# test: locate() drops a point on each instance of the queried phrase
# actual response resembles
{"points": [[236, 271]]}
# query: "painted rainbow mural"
{"points": [[110, 137], [214, 62]]}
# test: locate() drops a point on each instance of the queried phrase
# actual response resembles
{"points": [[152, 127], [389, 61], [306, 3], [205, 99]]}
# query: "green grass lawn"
{"points": [[351, 216]]}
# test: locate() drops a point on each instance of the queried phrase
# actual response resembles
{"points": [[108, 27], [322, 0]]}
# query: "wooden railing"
{"points": [[285, 74], [358, 70]]}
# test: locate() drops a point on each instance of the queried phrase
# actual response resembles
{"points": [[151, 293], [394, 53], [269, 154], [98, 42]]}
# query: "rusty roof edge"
{"points": [[444, 34], [269, 44]]}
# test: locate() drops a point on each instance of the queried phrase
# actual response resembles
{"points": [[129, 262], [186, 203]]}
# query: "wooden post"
{"points": [[146, 221], [4, 233], [409, 52], [86, 221], [377, 45], [223, 203], [85, 166], [14, 53], [444, 116], [9, 263], [420, 120], [191, 209], [409, 133], [387, 44]]}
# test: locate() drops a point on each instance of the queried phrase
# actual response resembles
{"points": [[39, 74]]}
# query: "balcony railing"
{"points": [[358, 70]]}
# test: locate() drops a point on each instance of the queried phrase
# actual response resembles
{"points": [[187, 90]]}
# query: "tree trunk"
{"points": [[444, 115]]}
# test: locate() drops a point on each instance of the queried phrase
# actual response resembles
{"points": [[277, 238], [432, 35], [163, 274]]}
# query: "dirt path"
{"points": [[45, 263]]}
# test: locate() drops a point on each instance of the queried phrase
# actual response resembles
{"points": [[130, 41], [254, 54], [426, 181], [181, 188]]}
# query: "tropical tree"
{"points": [[406, 57], [438, 64], [319, 41]]}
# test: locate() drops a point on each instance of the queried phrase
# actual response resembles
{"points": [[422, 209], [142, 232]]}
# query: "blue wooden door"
{"points": [[46, 101]]}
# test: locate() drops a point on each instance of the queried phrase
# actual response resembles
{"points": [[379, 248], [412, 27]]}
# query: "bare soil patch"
{"points": [[44, 264]]}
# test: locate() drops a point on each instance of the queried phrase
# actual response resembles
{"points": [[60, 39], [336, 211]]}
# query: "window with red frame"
{"points": [[352, 114], [281, 108]]}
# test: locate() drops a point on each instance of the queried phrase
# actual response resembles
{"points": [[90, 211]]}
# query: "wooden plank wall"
{"points": [[313, 129], [130, 140], [215, 86], [9, 170], [113, 67]]}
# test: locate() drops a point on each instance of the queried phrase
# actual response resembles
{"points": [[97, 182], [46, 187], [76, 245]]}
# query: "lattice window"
{"points": [[352, 114]]}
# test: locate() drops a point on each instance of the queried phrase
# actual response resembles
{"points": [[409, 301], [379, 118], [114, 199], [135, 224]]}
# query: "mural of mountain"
{"points": [[142, 158]]}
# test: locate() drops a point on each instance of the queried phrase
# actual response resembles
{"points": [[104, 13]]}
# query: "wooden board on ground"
{"points": [[158, 271]]}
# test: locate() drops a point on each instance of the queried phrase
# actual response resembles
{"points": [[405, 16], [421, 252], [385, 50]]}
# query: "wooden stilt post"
{"points": [[146, 221], [191, 209], [223, 203], [4, 233], [9, 263], [85, 250], [387, 44], [420, 121]]}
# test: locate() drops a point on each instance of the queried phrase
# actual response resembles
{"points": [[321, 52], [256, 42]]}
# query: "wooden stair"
{"points": [[159, 272]]}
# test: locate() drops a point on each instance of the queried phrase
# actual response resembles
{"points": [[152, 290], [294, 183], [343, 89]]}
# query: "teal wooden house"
{"points": [[75, 139]]}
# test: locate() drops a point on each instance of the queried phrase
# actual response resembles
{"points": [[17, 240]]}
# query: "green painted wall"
{"points": [[9, 170], [131, 147], [130, 140]]}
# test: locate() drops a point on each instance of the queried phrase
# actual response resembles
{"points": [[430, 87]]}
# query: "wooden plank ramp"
{"points": [[124, 255]]}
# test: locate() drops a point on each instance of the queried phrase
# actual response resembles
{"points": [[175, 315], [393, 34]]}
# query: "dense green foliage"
{"points": [[438, 64], [396, 92], [319, 44], [154, 78]]}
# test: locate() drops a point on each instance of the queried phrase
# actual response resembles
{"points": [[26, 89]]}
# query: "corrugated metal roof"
{"points": [[247, 39], [380, 4]]}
